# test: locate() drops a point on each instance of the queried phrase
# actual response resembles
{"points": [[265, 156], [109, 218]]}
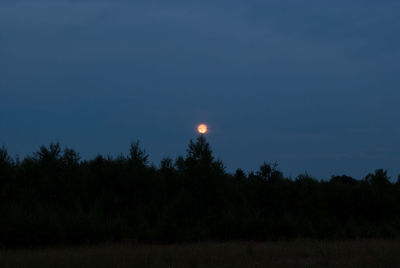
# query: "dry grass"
{"points": [[298, 253]]}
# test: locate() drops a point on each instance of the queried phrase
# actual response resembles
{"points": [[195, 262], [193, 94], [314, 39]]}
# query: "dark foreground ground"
{"points": [[298, 253]]}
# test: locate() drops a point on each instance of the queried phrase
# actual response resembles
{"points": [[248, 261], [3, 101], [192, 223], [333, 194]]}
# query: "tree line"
{"points": [[52, 197]]}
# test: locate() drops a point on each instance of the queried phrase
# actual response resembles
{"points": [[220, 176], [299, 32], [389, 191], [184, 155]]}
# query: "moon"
{"points": [[202, 128]]}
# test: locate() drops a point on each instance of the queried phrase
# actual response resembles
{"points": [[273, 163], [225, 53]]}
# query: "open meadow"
{"points": [[296, 253]]}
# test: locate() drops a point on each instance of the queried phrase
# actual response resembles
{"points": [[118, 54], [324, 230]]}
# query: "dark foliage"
{"points": [[53, 197]]}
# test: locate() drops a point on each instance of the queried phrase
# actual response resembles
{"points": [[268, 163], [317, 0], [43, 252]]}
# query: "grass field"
{"points": [[297, 253]]}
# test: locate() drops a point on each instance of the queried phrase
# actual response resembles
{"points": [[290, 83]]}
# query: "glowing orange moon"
{"points": [[202, 128]]}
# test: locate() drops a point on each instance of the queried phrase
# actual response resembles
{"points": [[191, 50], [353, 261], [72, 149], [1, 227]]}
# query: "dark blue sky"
{"points": [[313, 84]]}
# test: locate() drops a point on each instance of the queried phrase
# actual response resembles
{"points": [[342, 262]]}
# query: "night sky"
{"points": [[313, 85]]}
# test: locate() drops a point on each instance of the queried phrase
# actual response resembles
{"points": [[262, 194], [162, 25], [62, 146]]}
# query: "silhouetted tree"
{"points": [[6, 163], [199, 152], [166, 164], [70, 157], [48, 155], [240, 175], [200, 160], [378, 178], [180, 164], [343, 180], [53, 197], [269, 172], [138, 157], [5, 159]]}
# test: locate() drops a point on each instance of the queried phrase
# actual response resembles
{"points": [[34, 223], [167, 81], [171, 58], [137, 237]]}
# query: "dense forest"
{"points": [[52, 197]]}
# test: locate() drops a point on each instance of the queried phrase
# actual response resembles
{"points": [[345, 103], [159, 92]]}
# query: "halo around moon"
{"points": [[202, 128]]}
